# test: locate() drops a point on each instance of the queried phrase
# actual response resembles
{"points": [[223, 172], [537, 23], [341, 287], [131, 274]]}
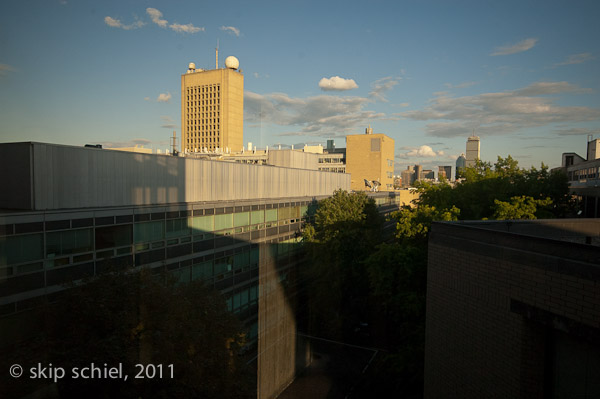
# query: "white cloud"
{"points": [[380, 86], [576, 59], [231, 29], [519, 47], [501, 113], [164, 97], [321, 116], [156, 16], [335, 83], [423, 151], [404, 105], [187, 28], [115, 23]]}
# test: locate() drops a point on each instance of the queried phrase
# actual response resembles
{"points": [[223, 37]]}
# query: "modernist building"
{"points": [[212, 108], [370, 156], [513, 309], [461, 164], [584, 177], [73, 212], [472, 151]]}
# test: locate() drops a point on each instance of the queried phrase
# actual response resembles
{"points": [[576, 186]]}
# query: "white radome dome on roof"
{"points": [[191, 65], [232, 63]]}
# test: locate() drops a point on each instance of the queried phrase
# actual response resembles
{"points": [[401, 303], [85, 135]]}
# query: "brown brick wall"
{"points": [[478, 344]]}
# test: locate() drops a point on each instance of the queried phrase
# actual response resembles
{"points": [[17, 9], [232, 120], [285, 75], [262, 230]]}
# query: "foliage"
{"points": [[485, 184], [521, 207], [346, 229], [133, 317], [414, 223]]}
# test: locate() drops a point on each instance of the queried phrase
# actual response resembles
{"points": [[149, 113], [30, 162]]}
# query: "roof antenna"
{"points": [[217, 55]]}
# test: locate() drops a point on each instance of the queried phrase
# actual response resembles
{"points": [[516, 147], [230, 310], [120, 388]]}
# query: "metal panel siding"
{"points": [[73, 177]]}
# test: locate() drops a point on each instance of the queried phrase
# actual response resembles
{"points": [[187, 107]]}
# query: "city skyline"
{"points": [[523, 77]]}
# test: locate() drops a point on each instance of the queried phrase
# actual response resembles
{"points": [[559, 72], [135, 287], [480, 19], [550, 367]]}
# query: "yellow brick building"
{"points": [[370, 156], [212, 108]]}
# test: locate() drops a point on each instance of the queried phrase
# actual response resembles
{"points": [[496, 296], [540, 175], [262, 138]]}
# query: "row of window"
{"points": [[213, 88], [30, 247], [587, 173]]}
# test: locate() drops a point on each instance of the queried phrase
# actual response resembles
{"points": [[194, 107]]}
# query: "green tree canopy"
{"points": [[483, 185]]}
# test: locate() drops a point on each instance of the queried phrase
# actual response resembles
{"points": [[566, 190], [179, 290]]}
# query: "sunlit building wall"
{"points": [[212, 108], [370, 156]]}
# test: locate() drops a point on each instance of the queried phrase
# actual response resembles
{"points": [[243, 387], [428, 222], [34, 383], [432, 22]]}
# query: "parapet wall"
{"points": [[47, 176]]}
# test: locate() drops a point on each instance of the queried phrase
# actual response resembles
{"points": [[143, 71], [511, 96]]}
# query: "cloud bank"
{"points": [[321, 116], [423, 151], [501, 113]]}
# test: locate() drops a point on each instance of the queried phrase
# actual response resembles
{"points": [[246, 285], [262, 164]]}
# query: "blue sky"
{"points": [[523, 75]]}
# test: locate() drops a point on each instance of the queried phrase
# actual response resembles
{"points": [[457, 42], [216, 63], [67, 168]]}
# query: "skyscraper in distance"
{"points": [[212, 108], [472, 150], [461, 164]]}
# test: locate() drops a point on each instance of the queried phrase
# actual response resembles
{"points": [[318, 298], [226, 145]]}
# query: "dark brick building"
{"points": [[513, 309]]}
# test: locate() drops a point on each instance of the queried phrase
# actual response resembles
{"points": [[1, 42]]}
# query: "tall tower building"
{"points": [[472, 150], [212, 108]]}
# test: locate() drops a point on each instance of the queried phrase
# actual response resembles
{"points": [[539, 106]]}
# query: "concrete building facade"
{"points": [[74, 212], [370, 156], [513, 309], [473, 151], [212, 108], [584, 177]]}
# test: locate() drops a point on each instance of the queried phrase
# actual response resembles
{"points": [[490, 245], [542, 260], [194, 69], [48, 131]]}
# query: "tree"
{"points": [[346, 229], [521, 207], [483, 185], [132, 317]]}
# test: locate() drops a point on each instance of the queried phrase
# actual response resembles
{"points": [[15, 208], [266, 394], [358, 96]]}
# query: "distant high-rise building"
{"points": [[370, 156], [472, 150], [445, 171], [428, 174], [418, 172], [212, 108], [461, 164], [408, 177]]}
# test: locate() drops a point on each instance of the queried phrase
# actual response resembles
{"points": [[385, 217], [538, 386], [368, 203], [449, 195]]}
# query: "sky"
{"points": [[522, 75]]}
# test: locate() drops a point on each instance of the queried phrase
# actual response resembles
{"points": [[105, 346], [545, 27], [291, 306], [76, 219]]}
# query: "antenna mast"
{"points": [[217, 55]]}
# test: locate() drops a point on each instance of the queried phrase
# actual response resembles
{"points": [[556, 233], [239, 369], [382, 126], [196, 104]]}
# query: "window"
{"points": [[375, 145], [177, 228], [22, 248], [151, 231], [113, 236], [69, 242]]}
